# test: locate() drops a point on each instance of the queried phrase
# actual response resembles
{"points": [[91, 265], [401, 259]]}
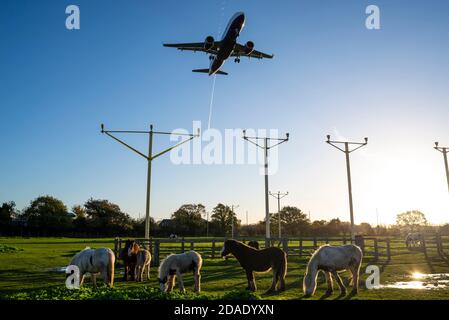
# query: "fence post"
{"points": [[213, 248], [156, 253], [439, 245], [116, 247], [376, 250], [191, 245], [388, 249], [424, 246], [300, 247], [344, 239], [360, 241], [314, 244], [285, 245], [182, 245]]}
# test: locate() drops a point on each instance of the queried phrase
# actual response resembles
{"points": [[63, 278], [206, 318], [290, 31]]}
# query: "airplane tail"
{"points": [[207, 71]]}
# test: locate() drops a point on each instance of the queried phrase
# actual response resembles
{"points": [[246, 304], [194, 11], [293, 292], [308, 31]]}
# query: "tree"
{"points": [[223, 217], [410, 221], [80, 222], [365, 229], [7, 214], [294, 222], [107, 218], [188, 219], [47, 214]]}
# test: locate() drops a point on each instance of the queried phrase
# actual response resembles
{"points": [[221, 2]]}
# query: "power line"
{"points": [[232, 219], [150, 157], [444, 151], [279, 196], [347, 151], [255, 140]]}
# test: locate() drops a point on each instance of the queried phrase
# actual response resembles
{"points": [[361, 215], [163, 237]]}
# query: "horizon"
{"points": [[330, 76]]}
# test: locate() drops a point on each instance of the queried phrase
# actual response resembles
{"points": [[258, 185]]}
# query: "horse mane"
{"points": [[165, 264], [312, 261], [241, 244]]}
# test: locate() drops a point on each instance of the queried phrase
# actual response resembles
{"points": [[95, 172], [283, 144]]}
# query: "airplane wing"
{"points": [[196, 46], [239, 51]]}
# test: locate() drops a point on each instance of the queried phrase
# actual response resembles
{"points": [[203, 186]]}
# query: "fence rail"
{"points": [[372, 247]]}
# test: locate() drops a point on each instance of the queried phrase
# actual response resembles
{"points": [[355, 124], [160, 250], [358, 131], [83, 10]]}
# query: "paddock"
{"points": [[33, 264]]}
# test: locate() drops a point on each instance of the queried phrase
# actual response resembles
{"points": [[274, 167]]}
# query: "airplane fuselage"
{"points": [[228, 41]]}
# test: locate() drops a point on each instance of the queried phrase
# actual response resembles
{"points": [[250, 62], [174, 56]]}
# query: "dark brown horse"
{"points": [[253, 260], [254, 244], [129, 257]]}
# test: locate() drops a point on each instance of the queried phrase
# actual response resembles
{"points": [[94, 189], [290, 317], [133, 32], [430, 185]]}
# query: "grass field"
{"points": [[27, 265]]}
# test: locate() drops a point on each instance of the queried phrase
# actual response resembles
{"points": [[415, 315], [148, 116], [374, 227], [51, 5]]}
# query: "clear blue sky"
{"points": [[329, 75]]}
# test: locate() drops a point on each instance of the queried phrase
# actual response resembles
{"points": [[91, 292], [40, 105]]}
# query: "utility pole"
{"points": [[279, 196], [246, 217], [149, 157], [347, 150], [232, 219], [444, 151], [266, 146], [207, 224]]}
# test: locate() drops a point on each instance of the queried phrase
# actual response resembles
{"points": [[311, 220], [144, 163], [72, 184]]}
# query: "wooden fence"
{"points": [[372, 247]]}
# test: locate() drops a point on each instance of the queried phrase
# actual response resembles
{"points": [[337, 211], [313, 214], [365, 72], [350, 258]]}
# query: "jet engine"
{"points": [[208, 43], [249, 47]]}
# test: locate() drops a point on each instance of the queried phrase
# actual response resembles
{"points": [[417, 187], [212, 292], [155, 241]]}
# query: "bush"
{"points": [[241, 295], [8, 249], [104, 293]]}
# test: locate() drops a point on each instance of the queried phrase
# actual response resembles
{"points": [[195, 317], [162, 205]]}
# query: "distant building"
{"points": [[166, 223]]}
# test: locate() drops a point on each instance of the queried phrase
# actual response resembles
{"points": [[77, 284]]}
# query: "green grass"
{"points": [[27, 272]]}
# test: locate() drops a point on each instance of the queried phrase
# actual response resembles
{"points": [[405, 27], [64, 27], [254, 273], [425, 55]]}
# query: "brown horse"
{"points": [[129, 257], [253, 260], [254, 244]]}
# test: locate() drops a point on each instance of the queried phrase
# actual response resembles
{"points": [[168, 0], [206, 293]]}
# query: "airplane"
{"points": [[227, 47]]}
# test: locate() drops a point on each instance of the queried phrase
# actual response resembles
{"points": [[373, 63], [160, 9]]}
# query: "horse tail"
{"points": [[111, 269], [283, 269]]}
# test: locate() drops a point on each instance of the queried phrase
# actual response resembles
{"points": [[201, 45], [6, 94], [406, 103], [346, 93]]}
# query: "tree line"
{"points": [[49, 216]]}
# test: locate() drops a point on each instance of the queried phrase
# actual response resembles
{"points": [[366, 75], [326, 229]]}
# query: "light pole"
{"points": [[266, 146], [150, 157], [347, 151], [444, 151], [232, 219], [279, 196]]}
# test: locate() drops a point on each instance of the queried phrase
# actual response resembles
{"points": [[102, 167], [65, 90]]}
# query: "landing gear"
{"points": [[211, 57], [237, 60]]}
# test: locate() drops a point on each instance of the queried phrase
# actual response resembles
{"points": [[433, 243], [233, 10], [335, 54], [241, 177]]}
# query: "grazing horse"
{"points": [[129, 257], [175, 265], [254, 244], [253, 260], [94, 261], [330, 260], [143, 261], [413, 240]]}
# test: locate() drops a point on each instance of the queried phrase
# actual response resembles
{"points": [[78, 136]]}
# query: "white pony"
{"points": [[330, 260], [413, 240], [175, 265], [94, 261]]}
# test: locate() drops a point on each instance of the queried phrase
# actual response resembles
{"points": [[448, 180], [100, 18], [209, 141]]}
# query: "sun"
{"points": [[417, 275]]}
